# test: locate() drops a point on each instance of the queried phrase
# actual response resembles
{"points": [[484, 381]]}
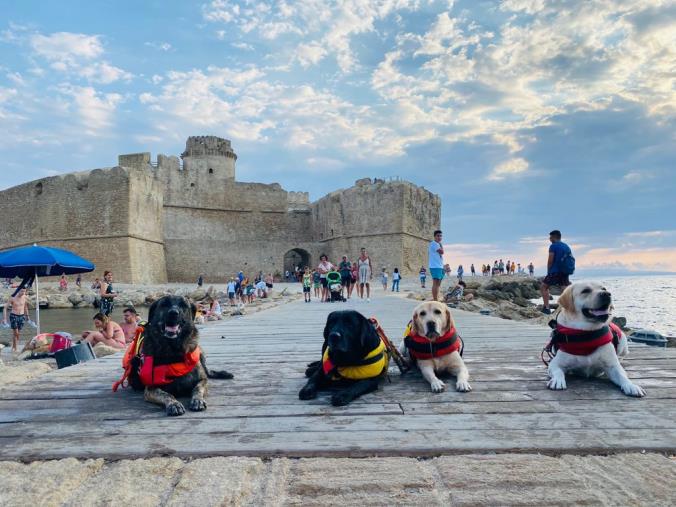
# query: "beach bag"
{"points": [[60, 342]]}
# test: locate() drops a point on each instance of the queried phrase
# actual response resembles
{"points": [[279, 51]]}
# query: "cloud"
{"points": [[160, 46], [514, 166], [96, 110], [77, 54]]}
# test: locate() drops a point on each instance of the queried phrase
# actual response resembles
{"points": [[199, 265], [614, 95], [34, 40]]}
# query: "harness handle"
{"points": [[394, 353]]}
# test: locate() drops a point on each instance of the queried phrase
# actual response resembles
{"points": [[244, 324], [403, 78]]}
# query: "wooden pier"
{"points": [[74, 413]]}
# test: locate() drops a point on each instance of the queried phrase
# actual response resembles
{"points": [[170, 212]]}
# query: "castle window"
{"points": [[211, 171], [38, 188], [192, 185]]}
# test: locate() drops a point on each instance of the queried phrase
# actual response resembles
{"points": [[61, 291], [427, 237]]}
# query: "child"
{"points": [[383, 277], [307, 282], [232, 289], [395, 279], [316, 279]]}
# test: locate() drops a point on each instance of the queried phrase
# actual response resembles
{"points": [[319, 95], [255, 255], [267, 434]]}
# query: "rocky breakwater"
{"points": [[508, 298], [143, 296]]}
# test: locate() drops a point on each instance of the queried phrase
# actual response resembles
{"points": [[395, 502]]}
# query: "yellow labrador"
{"points": [[433, 343], [586, 341]]}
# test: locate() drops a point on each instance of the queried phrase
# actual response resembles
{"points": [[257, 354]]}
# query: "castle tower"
{"points": [[210, 155]]}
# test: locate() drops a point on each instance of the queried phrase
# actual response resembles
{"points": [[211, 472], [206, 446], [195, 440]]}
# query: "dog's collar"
{"points": [[582, 343]]}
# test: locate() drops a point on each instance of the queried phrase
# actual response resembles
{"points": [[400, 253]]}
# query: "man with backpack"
{"points": [[560, 265]]}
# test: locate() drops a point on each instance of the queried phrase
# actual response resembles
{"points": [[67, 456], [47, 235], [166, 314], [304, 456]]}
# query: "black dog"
{"points": [[170, 341], [353, 357]]}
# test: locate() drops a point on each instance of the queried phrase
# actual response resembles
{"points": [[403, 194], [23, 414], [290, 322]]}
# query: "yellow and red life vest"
{"points": [[373, 365], [583, 343], [420, 347], [152, 375]]}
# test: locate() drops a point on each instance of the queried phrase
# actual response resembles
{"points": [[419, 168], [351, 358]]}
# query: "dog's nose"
{"points": [[173, 313], [605, 295], [431, 327]]}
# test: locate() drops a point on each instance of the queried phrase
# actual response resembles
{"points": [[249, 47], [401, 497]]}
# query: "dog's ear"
{"points": [[368, 333], [193, 309], [449, 321], [566, 300], [416, 324], [151, 311], [326, 326]]}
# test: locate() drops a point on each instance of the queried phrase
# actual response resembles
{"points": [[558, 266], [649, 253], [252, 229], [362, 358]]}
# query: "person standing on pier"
{"points": [[436, 263], [107, 294], [560, 264]]}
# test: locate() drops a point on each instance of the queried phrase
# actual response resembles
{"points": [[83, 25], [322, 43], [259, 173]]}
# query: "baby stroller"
{"points": [[334, 283]]}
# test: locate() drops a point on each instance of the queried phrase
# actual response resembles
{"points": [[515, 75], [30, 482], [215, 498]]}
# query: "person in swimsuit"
{"points": [[18, 315], [107, 332], [107, 294], [129, 324], [365, 274]]}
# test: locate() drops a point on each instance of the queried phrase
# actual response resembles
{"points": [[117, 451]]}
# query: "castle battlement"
{"points": [[201, 146]]}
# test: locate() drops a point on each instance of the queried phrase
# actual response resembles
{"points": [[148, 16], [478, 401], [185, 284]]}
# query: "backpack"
{"points": [[567, 263]]}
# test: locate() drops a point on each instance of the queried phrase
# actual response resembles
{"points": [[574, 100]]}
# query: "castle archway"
{"points": [[294, 258]]}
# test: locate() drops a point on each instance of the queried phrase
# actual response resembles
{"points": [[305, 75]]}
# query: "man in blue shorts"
{"points": [[555, 274], [436, 264]]}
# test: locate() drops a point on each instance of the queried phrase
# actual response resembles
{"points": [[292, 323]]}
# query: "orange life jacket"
{"points": [[420, 347], [150, 374]]}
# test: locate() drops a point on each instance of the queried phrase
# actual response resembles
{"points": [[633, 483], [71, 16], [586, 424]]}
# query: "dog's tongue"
{"points": [[598, 313], [171, 329]]}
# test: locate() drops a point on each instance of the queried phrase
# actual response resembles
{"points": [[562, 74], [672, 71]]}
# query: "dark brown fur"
{"points": [[167, 349]]}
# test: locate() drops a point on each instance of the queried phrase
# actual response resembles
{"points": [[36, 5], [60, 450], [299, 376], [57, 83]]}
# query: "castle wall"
{"points": [[392, 220], [87, 213], [173, 220]]}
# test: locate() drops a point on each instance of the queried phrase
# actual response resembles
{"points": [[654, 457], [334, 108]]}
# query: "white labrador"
{"points": [[587, 307], [432, 324]]}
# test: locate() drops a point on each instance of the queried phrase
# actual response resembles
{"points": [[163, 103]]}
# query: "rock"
{"points": [[471, 284], [522, 302], [76, 299], [620, 321], [198, 294], [101, 350]]}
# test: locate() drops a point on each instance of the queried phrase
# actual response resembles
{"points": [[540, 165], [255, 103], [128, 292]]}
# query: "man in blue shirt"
{"points": [[557, 251]]}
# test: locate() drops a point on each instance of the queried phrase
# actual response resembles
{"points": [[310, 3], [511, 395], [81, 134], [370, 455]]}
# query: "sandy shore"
{"points": [[506, 479]]}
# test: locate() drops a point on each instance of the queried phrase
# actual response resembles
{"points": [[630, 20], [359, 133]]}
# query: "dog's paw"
{"points": [[340, 399], [633, 390], [557, 384], [307, 393], [437, 386], [175, 409], [198, 405], [463, 386]]}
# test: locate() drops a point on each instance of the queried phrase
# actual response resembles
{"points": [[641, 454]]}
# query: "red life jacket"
{"points": [[583, 343], [420, 347], [151, 375]]}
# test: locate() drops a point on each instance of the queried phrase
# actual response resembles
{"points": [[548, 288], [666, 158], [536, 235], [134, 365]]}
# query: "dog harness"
{"points": [[420, 347], [152, 375], [373, 365], [580, 343]]}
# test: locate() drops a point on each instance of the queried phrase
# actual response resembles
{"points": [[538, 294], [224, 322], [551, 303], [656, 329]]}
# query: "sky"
{"points": [[522, 115]]}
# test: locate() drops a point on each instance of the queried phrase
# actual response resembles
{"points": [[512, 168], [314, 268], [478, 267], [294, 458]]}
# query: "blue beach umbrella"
{"points": [[31, 262]]}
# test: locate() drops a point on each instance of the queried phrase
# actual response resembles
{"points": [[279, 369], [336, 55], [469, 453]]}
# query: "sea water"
{"points": [[647, 302]]}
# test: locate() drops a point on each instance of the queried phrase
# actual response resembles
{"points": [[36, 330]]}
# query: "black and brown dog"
{"points": [[168, 361], [354, 359]]}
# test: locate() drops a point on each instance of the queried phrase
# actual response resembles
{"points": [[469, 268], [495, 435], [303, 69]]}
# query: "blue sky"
{"points": [[523, 115]]}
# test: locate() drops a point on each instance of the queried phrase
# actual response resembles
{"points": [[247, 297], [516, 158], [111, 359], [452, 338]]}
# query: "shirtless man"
{"points": [[129, 324], [17, 317]]}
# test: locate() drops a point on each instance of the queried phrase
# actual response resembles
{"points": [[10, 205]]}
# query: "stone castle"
{"points": [[170, 220]]}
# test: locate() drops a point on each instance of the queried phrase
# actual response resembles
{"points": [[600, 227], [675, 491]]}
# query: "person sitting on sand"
{"points": [[214, 311], [107, 332], [129, 324], [457, 294]]}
